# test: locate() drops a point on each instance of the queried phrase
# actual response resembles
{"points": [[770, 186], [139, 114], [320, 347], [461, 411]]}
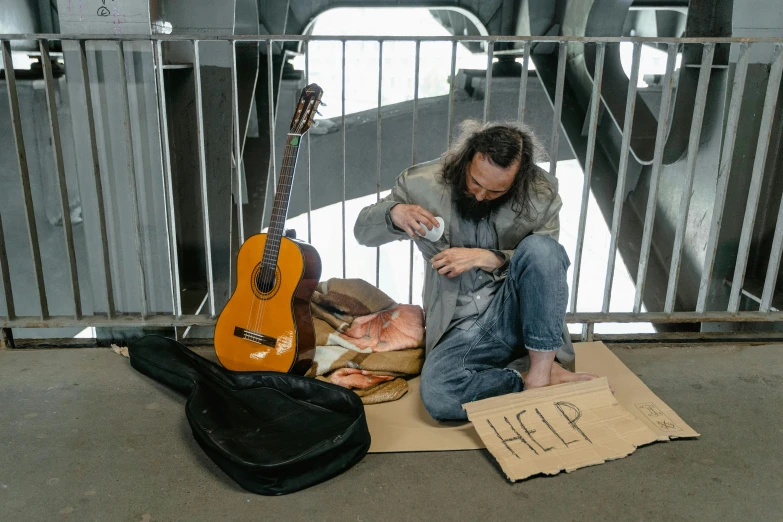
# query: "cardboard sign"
{"points": [[558, 428], [563, 427]]}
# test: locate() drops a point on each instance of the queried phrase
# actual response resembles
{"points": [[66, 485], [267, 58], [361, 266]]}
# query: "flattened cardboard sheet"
{"points": [[631, 392], [404, 425]]}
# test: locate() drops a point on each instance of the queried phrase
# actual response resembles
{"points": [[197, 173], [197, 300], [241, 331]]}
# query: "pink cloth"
{"points": [[398, 328], [355, 378]]}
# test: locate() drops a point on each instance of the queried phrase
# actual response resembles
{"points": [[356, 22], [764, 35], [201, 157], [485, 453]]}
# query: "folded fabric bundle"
{"points": [[365, 340]]}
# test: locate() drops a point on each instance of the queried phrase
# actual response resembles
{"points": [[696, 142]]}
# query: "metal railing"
{"points": [[765, 312]]}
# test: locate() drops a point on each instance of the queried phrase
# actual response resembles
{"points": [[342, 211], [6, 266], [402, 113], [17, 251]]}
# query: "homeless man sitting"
{"points": [[495, 286]]}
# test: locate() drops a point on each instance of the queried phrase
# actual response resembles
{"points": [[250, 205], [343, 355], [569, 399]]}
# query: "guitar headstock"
{"points": [[306, 109]]}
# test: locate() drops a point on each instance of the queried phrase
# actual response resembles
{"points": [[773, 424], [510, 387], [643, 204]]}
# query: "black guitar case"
{"points": [[273, 433]]}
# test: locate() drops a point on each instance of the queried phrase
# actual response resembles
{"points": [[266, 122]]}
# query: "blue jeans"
{"points": [[527, 313]]}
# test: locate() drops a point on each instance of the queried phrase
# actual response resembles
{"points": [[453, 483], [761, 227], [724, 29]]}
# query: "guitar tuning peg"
{"points": [[324, 104]]}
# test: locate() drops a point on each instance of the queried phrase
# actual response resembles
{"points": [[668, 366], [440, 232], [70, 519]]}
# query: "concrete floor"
{"points": [[83, 436]]}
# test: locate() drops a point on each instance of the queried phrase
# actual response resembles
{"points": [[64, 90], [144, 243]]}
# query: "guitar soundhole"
{"points": [[265, 281]]}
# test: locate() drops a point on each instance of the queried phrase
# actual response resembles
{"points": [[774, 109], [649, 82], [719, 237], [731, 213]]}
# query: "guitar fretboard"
{"points": [[282, 198]]}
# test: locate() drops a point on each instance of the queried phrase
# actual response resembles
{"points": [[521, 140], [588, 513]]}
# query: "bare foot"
{"points": [[560, 375]]}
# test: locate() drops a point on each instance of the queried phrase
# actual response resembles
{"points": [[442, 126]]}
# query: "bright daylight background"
{"points": [[398, 85]]}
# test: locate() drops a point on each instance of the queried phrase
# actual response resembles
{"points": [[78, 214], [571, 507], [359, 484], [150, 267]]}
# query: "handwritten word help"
{"points": [[533, 423]]}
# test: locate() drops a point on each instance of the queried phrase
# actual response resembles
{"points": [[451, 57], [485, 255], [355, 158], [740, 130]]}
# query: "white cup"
{"points": [[436, 232]]}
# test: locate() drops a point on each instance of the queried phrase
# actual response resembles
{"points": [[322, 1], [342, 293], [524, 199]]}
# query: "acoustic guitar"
{"points": [[266, 324]]}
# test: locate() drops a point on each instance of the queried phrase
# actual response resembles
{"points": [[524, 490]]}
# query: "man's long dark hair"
{"points": [[503, 144]]}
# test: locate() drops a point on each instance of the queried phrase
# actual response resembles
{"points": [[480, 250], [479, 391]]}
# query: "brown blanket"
{"points": [[365, 341]]}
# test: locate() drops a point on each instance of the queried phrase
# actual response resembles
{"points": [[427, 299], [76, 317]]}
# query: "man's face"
{"points": [[486, 187]]}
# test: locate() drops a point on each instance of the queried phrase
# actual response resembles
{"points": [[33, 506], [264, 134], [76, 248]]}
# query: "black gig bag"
{"points": [[273, 433]]}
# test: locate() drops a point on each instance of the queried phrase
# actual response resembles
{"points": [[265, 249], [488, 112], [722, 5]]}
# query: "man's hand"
{"points": [[454, 261], [407, 217]]}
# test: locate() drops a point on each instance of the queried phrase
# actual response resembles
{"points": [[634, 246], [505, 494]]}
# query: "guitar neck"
{"points": [[282, 198]]}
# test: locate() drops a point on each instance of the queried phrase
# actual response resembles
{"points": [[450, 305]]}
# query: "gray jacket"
{"points": [[421, 185]]}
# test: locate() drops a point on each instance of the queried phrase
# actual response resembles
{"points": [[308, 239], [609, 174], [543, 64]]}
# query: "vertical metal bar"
{"points": [[7, 338], [198, 311], [342, 126], [377, 155], [774, 264], [587, 332], [594, 110], [759, 163], [413, 154], [619, 195], [237, 144], [777, 242], [171, 253], [7, 290], [202, 161], [561, 63], [85, 77], [451, 91], [724, 171], [693, 151], [132, 177], [309, 192], [523, 83], [488, 79], [169, 183], [24, 174], [652, 198], [59, 168], [271, 89]]}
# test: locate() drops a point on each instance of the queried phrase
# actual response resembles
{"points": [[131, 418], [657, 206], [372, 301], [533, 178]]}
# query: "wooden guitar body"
{"points": [[266, 325], [269, 327]]}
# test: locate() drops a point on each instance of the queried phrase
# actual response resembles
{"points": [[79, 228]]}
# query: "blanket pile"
{"points": [[365, 341]]}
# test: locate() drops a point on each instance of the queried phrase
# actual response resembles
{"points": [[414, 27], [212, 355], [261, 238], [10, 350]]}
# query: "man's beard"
{"points": [[468, 207]]}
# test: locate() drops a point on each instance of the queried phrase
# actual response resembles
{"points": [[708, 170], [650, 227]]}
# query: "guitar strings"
{"points": [[262, 278], [268, 275]]}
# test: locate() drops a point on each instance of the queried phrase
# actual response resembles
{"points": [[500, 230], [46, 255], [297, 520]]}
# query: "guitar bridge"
{"points": [[255, 337]]}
